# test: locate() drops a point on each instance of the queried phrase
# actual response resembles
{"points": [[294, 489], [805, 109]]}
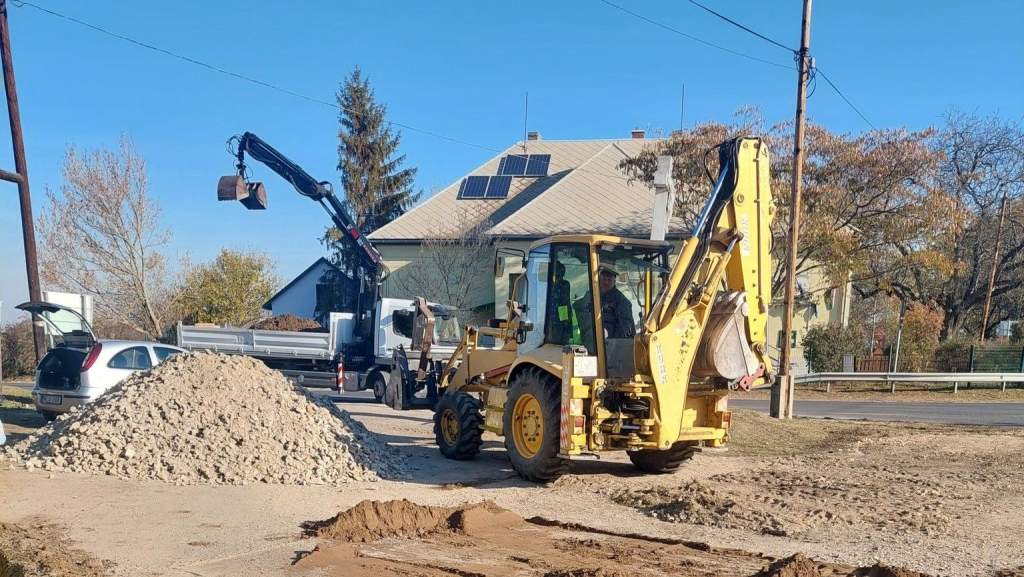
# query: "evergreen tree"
{"points": [[377, 188]]}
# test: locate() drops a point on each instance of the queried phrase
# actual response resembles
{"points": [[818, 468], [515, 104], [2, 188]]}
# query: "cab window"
{"points": [[569, 317], [133, 359]]}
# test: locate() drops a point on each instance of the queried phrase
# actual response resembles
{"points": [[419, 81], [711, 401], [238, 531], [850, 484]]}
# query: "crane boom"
{"points": [[306, 185]]}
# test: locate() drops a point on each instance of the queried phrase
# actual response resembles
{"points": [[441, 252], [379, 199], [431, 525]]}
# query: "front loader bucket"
{"points": [[232, 188]]}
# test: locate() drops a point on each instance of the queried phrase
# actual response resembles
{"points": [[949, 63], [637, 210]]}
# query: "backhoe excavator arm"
{"points": [[709, 321]]}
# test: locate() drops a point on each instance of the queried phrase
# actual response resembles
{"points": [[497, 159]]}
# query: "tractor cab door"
{"points": [[558, 300]]}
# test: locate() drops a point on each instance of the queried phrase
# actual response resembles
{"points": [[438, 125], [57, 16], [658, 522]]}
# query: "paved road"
{"points": [[995, 414]]}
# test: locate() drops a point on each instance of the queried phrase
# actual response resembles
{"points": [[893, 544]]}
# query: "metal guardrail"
{"points": [[893, 378]]}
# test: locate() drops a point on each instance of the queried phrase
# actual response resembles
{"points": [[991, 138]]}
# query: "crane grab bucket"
{"points": [[257, 198], [232, 188], [252, 194]]}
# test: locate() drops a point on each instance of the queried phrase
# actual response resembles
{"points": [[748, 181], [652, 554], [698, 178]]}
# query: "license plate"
{"points": [[50, 399]]}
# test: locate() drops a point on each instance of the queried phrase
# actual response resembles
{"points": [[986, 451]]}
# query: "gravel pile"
{"points": [[205, 418]]}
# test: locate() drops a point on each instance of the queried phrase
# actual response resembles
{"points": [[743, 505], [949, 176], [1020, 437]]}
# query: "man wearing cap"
{"points": [[616, 310]]}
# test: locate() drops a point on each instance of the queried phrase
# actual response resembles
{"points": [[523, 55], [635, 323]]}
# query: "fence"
{"points": [[989, 358]]}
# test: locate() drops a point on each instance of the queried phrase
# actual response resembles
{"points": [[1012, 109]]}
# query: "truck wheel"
{"points": [[458, 426], [531, 424], [667, 461], [378, 384]]}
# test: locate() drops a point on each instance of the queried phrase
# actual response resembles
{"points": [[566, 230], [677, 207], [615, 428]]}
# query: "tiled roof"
{"points": [[584, 192]]}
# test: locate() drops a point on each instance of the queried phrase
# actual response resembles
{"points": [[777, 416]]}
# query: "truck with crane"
{"points": [[357, 350], [642, 362]]}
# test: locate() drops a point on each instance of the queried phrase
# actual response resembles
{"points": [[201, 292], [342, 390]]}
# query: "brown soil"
{"points": [[795, 566], [373, 520], [401, 538], [37, 549], [288, 323], [854, 487]]}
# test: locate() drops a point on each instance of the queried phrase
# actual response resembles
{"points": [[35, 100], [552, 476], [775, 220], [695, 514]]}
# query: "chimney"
{"points": [[532, 136], [638, 133]]}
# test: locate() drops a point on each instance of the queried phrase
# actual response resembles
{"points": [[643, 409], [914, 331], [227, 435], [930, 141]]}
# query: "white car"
{"points": [[80, 367]]}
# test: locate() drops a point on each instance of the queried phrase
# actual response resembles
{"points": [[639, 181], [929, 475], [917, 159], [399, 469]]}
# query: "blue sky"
{"points": [[460, 69]]}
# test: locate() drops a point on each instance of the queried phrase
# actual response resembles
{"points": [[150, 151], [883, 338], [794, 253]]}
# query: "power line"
{"points": [[843, 96], [738, 25], [692, 37], [245, 78], [814, 69]]}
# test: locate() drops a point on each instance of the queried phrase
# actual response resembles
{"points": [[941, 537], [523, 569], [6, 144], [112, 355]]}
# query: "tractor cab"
{"points": [[591, 293]]}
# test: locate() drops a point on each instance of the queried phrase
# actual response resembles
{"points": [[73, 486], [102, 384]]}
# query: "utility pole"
{"points": [[20, 175], [781, 406], [995, 265]]}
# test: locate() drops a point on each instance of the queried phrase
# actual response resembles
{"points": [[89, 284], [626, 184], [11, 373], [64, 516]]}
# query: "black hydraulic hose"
{"points": [[704, 228]]}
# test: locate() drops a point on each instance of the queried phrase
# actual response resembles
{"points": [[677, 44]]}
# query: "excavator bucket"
{"points": [[257, 197], [232, 188]]}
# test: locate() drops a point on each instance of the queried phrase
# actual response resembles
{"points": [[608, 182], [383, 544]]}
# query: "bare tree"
{"points": [[102, 236], [447, 269]]}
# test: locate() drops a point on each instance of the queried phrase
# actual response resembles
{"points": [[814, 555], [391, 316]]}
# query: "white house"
{"points": [[300, 296]]}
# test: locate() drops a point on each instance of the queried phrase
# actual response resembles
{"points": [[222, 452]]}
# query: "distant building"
{"points": [[310, 292]]}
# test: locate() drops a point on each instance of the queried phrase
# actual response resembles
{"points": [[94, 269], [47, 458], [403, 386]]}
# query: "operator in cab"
{"points": [[616, 310]]}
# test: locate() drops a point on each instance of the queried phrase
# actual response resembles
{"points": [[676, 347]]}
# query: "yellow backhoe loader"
{"points": [[609, 348]]}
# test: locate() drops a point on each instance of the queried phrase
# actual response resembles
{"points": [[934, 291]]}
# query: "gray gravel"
{"points": [[207, 418]]}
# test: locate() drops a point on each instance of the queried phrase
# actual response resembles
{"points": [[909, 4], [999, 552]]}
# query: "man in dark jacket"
{"points": [[616, 310]]}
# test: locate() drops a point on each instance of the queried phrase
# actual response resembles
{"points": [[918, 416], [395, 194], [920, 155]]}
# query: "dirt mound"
{"points": [[203, 418], [288, 323], [698, 504], [373, 520], [795, 566], [37, 549]]}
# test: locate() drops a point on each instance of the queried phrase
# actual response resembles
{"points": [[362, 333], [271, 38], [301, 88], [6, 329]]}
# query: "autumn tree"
{"points": [[230, 290], [862, 193], [984, 162], [102, 236]]}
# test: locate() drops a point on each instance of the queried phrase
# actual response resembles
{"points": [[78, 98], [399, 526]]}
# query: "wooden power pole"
{"points": [[20, 175], [782, 390], [995, 265]]}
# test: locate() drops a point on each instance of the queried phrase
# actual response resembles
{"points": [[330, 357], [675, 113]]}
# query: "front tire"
{"points": [[458, 426], [531, 424], [667, 461]]}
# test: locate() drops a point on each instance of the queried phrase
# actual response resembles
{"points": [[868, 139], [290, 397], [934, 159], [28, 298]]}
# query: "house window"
{"points": [[792, 340]]}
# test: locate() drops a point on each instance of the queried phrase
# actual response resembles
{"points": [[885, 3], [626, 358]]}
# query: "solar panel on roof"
{"points": [[538, 165], [498, 187], [512, 165], [473, 187]]}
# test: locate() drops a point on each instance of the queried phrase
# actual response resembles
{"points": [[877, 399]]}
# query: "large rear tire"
{"points": [[531, 424], [458, 426], [667, 461]]}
